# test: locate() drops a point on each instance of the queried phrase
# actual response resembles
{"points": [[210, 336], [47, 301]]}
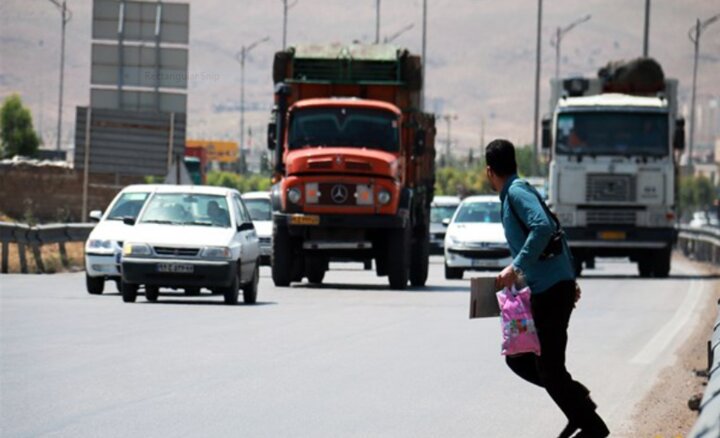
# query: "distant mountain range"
{"points": [[481, 56]]}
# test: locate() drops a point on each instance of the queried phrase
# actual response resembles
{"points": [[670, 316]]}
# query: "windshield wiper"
{"points": [[158, 221], [202, 223]]}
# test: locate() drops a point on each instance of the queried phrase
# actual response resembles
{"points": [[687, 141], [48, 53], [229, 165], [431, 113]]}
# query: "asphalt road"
{"points": [[348, 359]]}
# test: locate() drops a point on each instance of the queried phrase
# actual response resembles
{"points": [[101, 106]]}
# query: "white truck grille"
{"points": [[610, 188], [611, 217]]}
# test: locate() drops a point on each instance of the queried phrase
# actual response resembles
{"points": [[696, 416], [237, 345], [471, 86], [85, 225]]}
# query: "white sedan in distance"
{"points": [[475, 239], [103, 249], [192, 237], [259, 206]]}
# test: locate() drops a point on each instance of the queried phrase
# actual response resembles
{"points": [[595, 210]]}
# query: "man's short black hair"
{"points": [[500, 156]]}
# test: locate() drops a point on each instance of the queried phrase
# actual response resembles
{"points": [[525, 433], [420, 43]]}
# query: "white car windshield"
{"points": [[187, 209], [128, 205], [481, 212], [259, 209], [438, 213]]}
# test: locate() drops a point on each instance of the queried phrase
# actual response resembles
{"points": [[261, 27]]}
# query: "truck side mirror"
{"points": [[419, 142], [679, 139], [271, 134], [546, 133]]}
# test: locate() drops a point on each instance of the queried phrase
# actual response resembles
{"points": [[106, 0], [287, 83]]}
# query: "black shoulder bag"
{"points": [[555, 245]]}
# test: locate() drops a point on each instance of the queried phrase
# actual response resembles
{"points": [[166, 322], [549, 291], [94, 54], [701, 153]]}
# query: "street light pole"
{"points": [[424, 54], [241, 57], [536, 114], [560, 33], [646, 34], [448, 120], [695, 39], [286, 7], [65, 16], [377, 21]]}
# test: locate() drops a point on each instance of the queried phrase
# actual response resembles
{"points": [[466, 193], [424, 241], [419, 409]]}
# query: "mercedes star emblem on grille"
{"points": [[339, 194]]}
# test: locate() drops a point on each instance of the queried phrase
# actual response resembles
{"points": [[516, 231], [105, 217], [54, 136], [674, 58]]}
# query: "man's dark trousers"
{"points": [[551, 311]]}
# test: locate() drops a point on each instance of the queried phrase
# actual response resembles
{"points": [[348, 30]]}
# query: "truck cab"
{"points": [[613, 172]]}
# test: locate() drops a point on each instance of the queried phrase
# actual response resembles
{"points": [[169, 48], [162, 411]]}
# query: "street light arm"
{"points": [[575, 23], [709, 21], [255, 44], [394, 36], [68, 13]]}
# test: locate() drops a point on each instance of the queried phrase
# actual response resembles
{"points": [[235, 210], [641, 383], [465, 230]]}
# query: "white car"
{"points": [[103, 248], [192, 237], [475, 239], [441, 211], [259, 206]]}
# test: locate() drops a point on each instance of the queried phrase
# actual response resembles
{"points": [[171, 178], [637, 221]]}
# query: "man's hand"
{"points": [[506, 278]]}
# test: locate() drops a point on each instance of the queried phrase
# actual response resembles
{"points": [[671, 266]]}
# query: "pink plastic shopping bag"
{"points": [[518, 327]]}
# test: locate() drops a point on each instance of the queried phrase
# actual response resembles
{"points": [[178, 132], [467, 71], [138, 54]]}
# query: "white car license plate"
{"points": [[479, 262], [175, 268]]}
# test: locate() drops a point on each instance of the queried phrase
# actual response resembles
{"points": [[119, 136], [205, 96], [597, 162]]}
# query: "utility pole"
{"points": [[646, 34], [536, 114], [424, 54], [286, 7], [694, 35], [65, 16], [377, 21], [559, 34], [241, 57], [448, 120]]}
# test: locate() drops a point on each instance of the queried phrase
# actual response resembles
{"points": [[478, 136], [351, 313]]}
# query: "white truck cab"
{"points": [[613, 173]]}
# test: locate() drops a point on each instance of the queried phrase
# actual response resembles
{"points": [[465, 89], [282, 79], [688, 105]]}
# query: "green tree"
{"points": [[17, 136]]}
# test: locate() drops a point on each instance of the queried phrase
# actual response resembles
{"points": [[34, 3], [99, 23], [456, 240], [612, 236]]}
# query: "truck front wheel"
{"points": [[398, 256], [282, 260]]}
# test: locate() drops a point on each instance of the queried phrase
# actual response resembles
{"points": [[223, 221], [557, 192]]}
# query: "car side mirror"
{"points": [[446, 222], [679, 139], [419, 142], [546, 133], [95, 215], [245, 226], [129, 220]]}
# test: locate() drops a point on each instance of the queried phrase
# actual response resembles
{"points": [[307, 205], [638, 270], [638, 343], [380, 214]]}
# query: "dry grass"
{"points": [[50, 257]]}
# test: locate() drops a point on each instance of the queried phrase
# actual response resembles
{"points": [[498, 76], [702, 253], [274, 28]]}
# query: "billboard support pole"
{"points": [[86, 168]]}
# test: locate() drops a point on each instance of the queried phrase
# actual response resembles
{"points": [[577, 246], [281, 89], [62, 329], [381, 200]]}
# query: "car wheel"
{"points": [[129, 292], [250, 290], [152, 293], [232, 292], [453, 273], [94, 285], [192, 291]]}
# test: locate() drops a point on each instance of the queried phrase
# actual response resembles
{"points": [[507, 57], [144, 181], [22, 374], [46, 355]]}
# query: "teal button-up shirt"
{"points": [[540, 275]]}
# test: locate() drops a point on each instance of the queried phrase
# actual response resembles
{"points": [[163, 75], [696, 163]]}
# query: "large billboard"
{"points": [[217, 150]]}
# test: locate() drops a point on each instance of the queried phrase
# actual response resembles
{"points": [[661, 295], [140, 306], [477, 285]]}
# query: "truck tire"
{"points": [[152, 293], [315, 269], [420, 261], [453, 273], [232, 292], [129, 292], [398, 257], [250, 290], [661, 263], [94, 285], [645, 266], [282, 257]]}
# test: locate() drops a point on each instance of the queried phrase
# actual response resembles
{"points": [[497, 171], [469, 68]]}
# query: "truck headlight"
{"points": [[294, 195], [136, 249], [384, 197], [216, 252]]}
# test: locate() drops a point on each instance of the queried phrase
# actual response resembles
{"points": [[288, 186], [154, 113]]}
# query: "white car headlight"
{"points": [[136, 249], [216, 252], [99, 245]]}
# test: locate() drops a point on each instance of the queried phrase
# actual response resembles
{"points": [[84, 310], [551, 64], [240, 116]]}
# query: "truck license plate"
{"points": [[175, 268], [613, 235], [301, 219]]}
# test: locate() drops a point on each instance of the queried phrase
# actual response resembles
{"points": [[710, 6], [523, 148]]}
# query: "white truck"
{"points": [[613, 172]]}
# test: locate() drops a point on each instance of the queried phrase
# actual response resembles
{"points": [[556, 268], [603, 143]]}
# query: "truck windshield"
{"points": [[612, 133], [345, 127]]}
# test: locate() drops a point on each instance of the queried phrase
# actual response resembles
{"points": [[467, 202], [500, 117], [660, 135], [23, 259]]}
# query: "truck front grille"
{"points": [[611, 217], [610, 188]]}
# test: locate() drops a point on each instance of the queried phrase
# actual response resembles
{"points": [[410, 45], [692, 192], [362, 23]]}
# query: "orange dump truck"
{"points": [[353, 162]]}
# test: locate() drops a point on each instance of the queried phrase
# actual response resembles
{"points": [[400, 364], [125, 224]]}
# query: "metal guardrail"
{"points": [[708, 423], [23, 235], [701, 244]]}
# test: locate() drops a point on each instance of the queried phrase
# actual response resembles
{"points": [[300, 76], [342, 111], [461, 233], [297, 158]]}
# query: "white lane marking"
{"points": [[662, 338]]}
